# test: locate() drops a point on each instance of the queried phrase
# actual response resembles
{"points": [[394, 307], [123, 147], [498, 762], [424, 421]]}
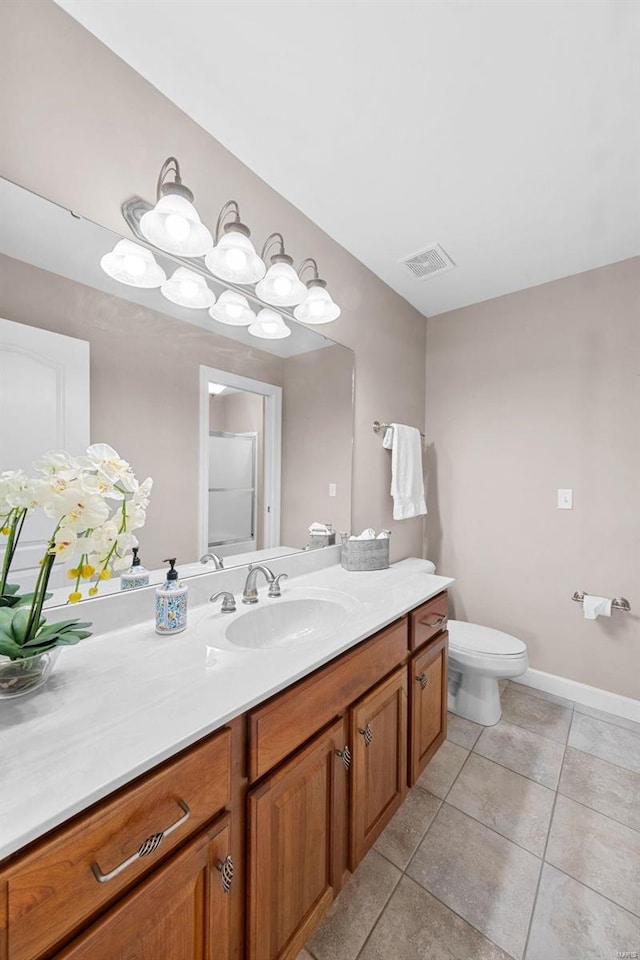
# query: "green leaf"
{"points": [[69, 639], [38, 642], [11, 588], [52, 628], [9, 648], [20, 624]]}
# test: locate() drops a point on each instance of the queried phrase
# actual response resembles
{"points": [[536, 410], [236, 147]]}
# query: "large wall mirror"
{"points": [[247, 441]]}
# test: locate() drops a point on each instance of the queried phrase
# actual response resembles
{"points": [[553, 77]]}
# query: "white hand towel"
{"points": [[368, 534], [320, 528], [596, 607], [407, 483]]}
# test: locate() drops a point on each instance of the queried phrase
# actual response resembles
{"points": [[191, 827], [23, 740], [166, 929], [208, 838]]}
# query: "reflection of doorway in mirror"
{"points": [[239, 463], [44, 405], [236, 471]]}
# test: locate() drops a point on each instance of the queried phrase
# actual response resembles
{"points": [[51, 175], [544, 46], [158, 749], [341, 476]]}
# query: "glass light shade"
{"points": [[235, 259], [174, 225], [188, 289], [317, 307], [234, 309], [281, 286], [132, 264], [269, 325]]}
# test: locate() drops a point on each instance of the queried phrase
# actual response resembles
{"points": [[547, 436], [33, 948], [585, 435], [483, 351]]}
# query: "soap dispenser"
{"points": [[136, 575], [171, 602]]}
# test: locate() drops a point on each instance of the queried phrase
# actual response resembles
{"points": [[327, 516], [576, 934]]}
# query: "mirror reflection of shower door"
{"points": [[232, 492]]}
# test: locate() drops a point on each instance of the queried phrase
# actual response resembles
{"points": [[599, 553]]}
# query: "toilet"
{"points": [[478, 658]]}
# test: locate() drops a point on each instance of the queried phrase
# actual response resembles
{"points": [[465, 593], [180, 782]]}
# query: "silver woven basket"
{"points": [[364, 554]]}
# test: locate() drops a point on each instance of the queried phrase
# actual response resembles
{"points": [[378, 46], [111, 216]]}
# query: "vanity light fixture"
{"points": [[281, 285], [234, 309], [173, 224], [317, 306], [188, 289], [132, 264], [233, 257], [269, 325]]}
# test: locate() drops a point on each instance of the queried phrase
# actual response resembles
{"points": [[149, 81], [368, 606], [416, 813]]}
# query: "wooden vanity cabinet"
{"points": [[181, 911], [296, 848], [379, 762], [296, 790]]}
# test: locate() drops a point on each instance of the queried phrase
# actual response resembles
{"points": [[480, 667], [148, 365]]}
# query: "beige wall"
{"points": [[144, 388], [82, 128], [316, 442], [529, 393]]}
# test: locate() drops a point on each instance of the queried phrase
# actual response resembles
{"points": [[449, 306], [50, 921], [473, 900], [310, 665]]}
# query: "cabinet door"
{"points": [[181, 912], [379, 766], [428, 705], [295, 846]]}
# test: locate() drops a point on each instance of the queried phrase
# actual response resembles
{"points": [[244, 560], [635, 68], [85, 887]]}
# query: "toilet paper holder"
{"points": [[618, 603]]}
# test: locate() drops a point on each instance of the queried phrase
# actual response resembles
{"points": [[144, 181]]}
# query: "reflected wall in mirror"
{"points": [[147, 362]]}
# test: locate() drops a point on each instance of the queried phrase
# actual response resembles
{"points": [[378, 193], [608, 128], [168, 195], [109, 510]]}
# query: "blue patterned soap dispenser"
{"points": [[171, 602]]}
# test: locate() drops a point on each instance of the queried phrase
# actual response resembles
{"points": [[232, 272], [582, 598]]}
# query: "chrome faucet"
{"points": [[228, 601], [250, 592], [217, 561]]}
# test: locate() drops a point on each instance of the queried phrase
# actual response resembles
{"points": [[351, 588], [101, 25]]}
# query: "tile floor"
{"points": [[519, 842]]}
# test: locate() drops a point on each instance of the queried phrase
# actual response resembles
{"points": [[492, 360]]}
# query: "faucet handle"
{"points": [[274, 586], [228, 602]]}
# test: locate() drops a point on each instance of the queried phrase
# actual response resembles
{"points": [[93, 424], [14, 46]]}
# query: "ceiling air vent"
{"points": [[428, 262]]}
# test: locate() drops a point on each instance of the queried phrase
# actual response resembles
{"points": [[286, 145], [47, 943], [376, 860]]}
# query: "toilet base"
{"points": [[477, 698]]}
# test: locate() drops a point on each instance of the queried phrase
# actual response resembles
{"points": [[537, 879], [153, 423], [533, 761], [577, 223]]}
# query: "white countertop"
{"points": [[120, 703]]}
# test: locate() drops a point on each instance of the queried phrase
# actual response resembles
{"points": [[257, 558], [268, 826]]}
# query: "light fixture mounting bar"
{"points": [[134, 209]]}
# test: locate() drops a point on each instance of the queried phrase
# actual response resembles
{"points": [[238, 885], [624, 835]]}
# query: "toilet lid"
{"points": [[485, 640]]}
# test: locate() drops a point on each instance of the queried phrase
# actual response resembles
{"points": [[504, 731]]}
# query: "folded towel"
{"points": [[368, 534], [407, 483], [320, 528]]}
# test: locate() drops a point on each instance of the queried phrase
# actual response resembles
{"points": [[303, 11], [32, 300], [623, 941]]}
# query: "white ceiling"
{"points": [[506, 131]]}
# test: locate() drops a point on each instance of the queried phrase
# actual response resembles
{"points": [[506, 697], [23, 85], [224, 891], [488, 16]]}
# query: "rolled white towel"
{"points": [[596, 607]]}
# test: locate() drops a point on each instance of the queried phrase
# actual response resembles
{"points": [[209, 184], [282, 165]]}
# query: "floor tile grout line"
{"points": [[544, 860], [612, 723], [537, 732], [384, 906], [505, 767], [604, 760], [598, 893], [538, 856], [586, 806]]}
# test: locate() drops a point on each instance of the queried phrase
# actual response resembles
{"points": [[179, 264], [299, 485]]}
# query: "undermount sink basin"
{"points": [[279, 623]]}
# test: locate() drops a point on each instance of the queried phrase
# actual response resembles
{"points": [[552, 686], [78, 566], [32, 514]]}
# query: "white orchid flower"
{"points": [[57, 462], [121, 563], [64, 543], [19, 491]]}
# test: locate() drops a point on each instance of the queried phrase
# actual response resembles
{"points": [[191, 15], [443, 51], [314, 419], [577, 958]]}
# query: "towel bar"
{"points": [[378, 426]]}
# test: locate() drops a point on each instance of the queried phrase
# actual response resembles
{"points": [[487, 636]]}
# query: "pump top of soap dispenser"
{"points": [[172, 573], [136, 559]]}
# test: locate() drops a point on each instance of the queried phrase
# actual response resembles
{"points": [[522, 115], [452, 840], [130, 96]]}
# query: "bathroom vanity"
{"points": [[236, 844]]}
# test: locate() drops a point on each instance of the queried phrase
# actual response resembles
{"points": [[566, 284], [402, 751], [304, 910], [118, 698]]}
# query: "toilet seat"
{"points": [[480, 642]]}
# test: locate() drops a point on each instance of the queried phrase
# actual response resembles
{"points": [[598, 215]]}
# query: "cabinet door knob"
{"points": [[345, 756], [146, 847], [423, 680], [367, 733], [226, 872]]}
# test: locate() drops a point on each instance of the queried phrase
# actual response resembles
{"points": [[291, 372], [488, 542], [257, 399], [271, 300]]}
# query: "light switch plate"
{"points": [[565, 499]]}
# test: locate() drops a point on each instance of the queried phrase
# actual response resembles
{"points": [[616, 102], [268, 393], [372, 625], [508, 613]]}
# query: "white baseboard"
{"points": [[613, 703]]}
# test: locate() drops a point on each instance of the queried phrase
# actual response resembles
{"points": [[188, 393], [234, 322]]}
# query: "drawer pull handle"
{"points": [[226, 872], [345, 756], [367, 733], [434, 623], [146, 847], [423, 680]]}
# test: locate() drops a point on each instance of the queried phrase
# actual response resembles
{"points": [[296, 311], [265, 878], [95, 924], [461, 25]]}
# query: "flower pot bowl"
{"points": [[18, 677]]}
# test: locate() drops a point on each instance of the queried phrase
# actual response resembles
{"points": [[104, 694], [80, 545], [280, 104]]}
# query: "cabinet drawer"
{"points": [[428, 620], [53, 891], [279, 727]]}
